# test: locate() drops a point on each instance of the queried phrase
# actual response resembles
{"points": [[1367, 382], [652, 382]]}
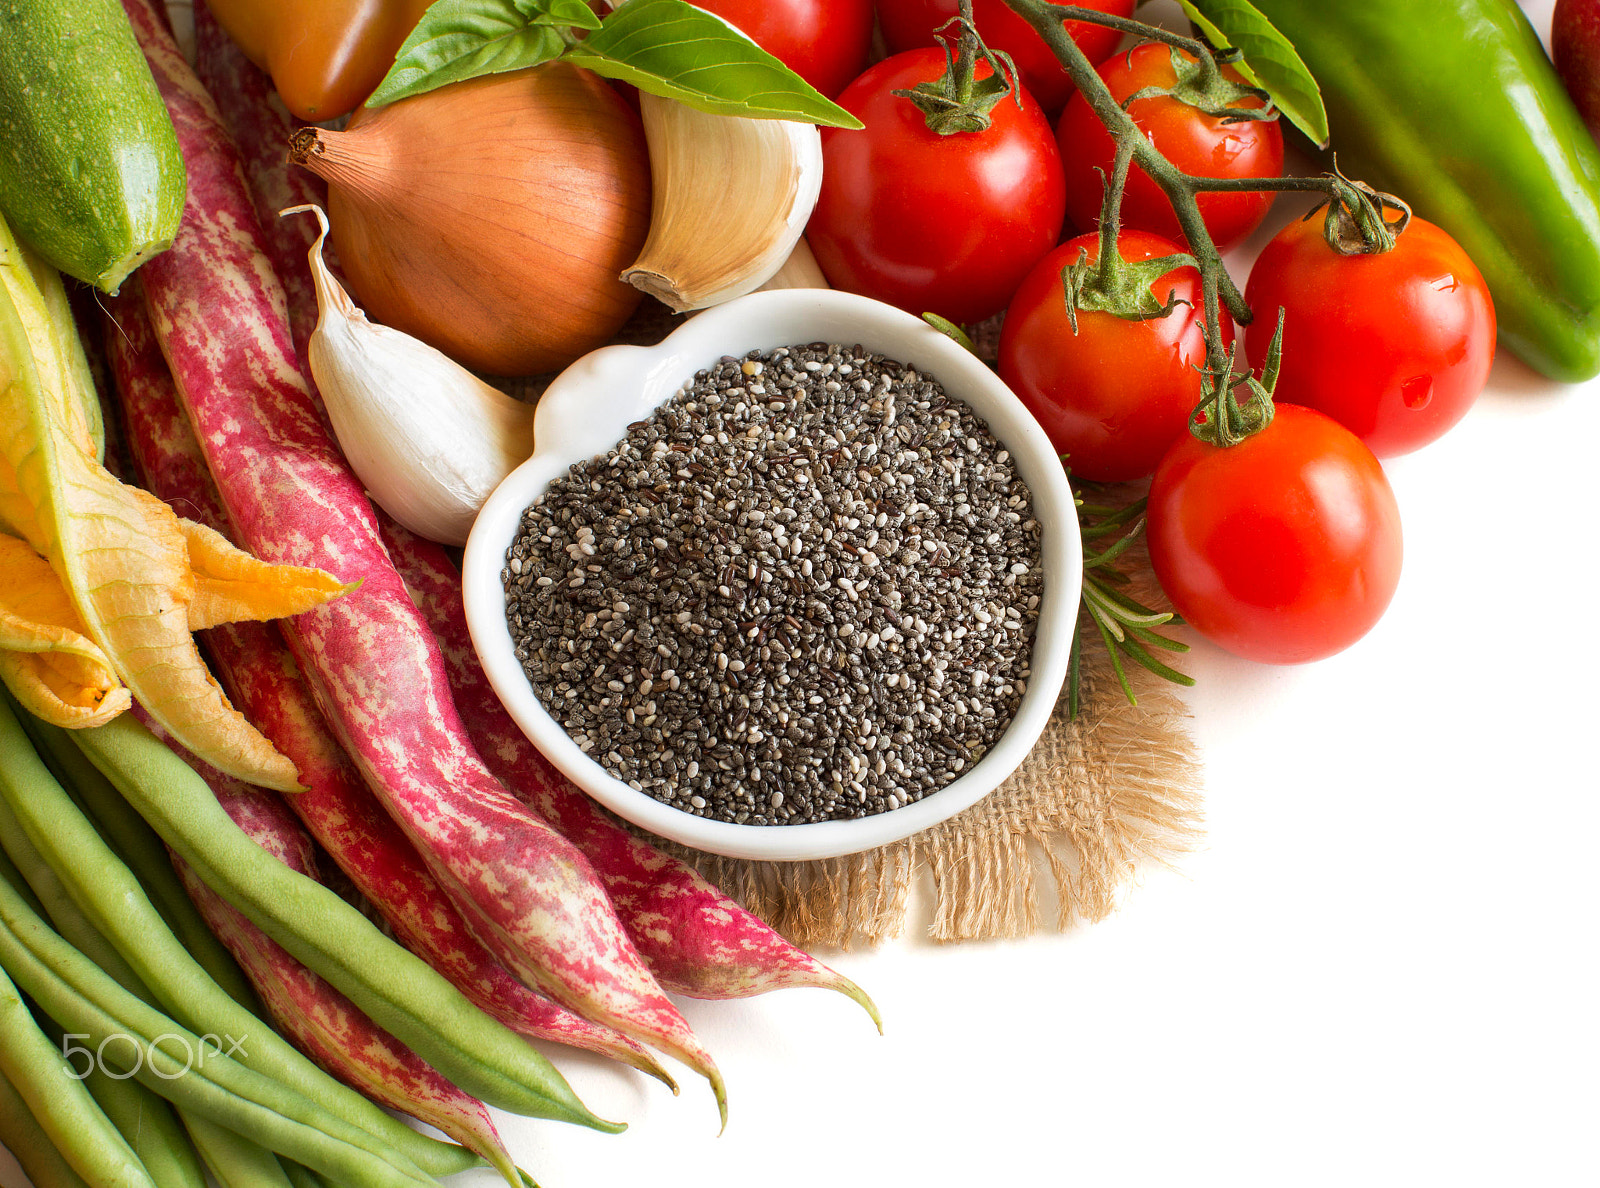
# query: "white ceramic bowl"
{"points": [[587, 411]]}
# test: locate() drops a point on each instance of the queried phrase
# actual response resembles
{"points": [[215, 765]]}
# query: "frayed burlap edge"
{"points": [[1094, 800]]}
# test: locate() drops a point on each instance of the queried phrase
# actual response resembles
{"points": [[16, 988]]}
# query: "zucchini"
{"points": [[90, 172]]}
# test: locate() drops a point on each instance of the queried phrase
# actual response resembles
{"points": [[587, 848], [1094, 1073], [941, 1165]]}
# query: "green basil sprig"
{"points": [[1270, 59], [461, 39], [667, 47]]}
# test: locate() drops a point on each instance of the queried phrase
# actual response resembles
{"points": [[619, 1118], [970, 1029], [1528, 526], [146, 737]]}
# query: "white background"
{"points": [[1378, 970]]}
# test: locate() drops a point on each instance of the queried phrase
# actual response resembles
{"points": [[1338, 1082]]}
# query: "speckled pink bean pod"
{"points": [[322, 1022], [260, 677], [331, 1030], [260, 126], [697, 940], [373, 666]]}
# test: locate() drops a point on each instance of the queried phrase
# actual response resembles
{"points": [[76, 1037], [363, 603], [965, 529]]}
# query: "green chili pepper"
{"points": [[1453, 106]]}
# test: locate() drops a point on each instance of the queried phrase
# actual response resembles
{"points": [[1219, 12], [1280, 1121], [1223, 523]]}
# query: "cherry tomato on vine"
{"points": [[1193, 141], [1282, 548], [942, 224], [1116, 394], [825, 42], [1395, 346], [908, 24]]}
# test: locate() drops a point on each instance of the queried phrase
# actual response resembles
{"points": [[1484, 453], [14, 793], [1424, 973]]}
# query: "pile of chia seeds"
{"points": [[803, 589]]}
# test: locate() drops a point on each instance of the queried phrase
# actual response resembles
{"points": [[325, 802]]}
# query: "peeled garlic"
{"points": [[427, 438], [731, 197]]}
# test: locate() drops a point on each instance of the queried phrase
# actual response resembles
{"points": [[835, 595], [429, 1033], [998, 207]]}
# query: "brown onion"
{"points": [[491, 218]]}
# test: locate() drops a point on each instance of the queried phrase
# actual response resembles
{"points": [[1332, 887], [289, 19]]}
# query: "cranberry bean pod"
{"points": [[260, 677], [322, 1022], [334, 1032], [398, 990], [218, 311], [697, 940], [260, 126]]}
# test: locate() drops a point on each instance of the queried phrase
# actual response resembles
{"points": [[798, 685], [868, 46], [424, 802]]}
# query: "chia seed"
{"points": [[804, 589]]}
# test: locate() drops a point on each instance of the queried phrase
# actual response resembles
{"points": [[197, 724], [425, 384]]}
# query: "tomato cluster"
{"points": [[1284, 546]]}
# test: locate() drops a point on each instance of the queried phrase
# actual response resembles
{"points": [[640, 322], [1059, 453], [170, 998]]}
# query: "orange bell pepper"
{"points": [[324, 56]]}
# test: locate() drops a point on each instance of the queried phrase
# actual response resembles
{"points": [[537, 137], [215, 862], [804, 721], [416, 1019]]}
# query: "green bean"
{"points": [[233, 1161], [49, 898], [137, 845], [143, 1119], [72, 989], [150, 1127], [21, 1134], [401, 993], [70, 1118], [302, 1177], [103, 887]]}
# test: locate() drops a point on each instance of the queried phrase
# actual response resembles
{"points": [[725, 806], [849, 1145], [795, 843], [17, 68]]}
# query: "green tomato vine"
{"points": [[1357, 222]]}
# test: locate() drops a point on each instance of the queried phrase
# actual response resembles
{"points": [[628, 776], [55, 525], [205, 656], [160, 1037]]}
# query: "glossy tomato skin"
{"points": [[1196, 143], [1394, 346], [1116, 394], [825, 42], [1283, 548], [908, 24], [947, 224]]}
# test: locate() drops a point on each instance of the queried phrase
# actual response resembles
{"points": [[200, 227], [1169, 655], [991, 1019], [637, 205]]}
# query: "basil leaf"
{"points": [[1270, 59], [462, 39], [678, 51]]}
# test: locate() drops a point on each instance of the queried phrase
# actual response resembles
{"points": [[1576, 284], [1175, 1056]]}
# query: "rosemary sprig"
{"points": [[1126, 626]]}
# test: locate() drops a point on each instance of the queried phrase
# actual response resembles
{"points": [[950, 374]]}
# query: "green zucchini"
{"points": [[90, 171]]}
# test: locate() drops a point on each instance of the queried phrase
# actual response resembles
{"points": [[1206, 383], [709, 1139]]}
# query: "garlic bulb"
{"points": [[427, 438], [731, 197]]}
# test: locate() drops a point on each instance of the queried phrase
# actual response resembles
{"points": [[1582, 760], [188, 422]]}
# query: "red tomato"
{"points": [[825, 42], [908, 24], [1395, 346], [941, 224], [1283, 548], [1196, 143], [1117, 393]]}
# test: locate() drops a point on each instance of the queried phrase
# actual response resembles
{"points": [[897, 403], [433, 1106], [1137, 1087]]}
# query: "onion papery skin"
{"points": [[492, 218]]}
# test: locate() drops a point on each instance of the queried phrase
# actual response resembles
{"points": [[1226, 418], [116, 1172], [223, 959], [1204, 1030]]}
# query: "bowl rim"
{"points": [[574, 413]]}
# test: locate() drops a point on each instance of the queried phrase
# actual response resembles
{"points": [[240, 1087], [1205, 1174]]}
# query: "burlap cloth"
{"points": [[1052, 846]]}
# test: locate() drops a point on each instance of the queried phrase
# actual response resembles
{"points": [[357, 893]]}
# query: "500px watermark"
{"points": [[120, 1056]]}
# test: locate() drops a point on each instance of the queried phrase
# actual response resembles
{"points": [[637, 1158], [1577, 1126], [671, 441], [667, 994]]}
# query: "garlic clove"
{"points": [[731, 198], [799, 271], [429, 440]]}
